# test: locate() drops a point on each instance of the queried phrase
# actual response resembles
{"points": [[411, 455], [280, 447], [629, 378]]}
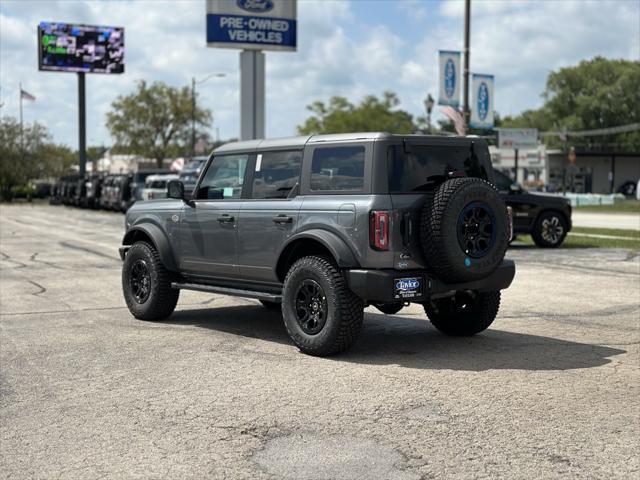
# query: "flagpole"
{"points": [[21, 127]]}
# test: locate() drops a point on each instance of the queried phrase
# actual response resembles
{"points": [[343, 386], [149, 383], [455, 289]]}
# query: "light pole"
{"points": [[428, 106], [195, 82]]}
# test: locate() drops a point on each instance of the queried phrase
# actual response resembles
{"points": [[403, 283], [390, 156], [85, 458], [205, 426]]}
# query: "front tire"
{"points": [[464, 314], [550, 230], [322, 316], [146, 284]]}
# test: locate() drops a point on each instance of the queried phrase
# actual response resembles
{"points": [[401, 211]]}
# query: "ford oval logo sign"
{"points": [[449, 78], [407, 284], [483, 101], [255, 6]]}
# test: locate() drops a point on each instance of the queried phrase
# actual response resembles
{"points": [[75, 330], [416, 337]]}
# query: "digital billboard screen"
{"points": [[65, 47]]}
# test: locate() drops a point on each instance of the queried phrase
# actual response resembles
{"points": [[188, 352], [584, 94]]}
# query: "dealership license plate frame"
{"points": [[408, 293]]}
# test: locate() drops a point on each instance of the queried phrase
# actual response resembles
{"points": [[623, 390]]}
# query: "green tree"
{"points": [[155, 121], [34, 156], [372, 114], [597, 93]]}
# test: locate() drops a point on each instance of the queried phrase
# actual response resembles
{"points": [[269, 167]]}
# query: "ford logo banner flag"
{"points": [[482, 103], [252, 24], [449, 78]]}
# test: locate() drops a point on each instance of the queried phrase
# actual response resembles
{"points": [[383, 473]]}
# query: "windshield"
{"points": [[195, 165], [422, 166]]}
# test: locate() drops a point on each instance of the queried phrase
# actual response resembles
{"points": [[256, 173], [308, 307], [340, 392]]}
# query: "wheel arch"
{"points": [[151, 233], [314, 242]]}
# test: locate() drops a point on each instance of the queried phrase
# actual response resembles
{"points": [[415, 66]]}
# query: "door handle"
{"points": [[225, 218], [280, 219]]}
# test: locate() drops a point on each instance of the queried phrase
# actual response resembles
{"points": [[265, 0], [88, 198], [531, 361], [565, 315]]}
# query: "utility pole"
{"points": [[193, 107], [82, 126], [467, 34]]}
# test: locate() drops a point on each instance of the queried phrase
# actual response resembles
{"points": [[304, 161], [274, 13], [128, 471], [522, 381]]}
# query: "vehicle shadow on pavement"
{"points": [[414, 343]]}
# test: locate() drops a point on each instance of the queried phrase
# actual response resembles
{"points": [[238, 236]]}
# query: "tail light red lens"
{"points": [[379, 230]]}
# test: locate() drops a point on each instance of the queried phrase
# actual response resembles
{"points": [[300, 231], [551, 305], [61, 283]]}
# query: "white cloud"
{"points": [[340, 53]]}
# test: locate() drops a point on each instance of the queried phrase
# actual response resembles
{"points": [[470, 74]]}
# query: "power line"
{"points": [[632, 127]]}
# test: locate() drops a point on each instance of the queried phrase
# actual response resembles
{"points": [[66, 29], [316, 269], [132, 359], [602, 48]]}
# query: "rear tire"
{"points": [[322, 316], [550, 230], [464, 314], [146, 284]]}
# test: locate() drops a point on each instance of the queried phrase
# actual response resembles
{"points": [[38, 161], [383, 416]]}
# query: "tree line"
{"points": [[156, 120]]}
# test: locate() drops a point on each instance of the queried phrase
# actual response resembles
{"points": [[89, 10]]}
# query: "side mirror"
{"points": [[515, 188], [175, 189]]}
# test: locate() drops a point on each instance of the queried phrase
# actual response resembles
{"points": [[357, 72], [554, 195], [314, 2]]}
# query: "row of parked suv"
{"points": [[119, 191]]}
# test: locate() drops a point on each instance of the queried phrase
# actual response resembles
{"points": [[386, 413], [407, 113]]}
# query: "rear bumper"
{"points": [[378, 285]]}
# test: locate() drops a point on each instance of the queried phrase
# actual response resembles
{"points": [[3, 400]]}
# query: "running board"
{"points": [[234, 292]]}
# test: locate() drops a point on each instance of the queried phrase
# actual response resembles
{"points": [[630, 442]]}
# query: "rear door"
{"points": [[270, 214], [208, 230]]}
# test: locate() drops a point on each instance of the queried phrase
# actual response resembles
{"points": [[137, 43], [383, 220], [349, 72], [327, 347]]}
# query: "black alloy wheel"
{"points": [[311, 307], [476, 229], [140, 279]]}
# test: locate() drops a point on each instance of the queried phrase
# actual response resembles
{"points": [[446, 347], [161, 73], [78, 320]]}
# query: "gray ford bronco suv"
{"points": [[322, 226]]}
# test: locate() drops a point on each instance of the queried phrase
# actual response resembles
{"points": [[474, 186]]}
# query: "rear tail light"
{"points": [[379, 230]]}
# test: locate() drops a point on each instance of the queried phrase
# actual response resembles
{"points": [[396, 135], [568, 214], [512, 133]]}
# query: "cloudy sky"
{"points": [[350, 48]]}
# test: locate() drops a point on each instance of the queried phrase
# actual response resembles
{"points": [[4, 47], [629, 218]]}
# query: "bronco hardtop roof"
{"points": [[301, 141]]}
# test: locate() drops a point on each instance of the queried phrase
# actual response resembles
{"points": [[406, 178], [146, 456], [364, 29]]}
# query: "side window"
{"points": [[224, 178], [337, 168], [276, 174]]}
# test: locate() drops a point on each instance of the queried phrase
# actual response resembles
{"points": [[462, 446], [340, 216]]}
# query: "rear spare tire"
{"points": [[464, 230]]}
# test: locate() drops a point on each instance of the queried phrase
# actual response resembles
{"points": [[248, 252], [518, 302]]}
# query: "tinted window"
{"points": [[224, 178], [276, 174], [424, 165], [337, 168]]}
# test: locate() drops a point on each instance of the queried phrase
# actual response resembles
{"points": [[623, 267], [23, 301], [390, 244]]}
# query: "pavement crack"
{"points": [[37, 285], [89, 250], [7, 258], [44, 262]]}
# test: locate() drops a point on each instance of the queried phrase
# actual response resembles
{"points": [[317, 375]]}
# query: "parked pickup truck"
{"points": [[322, 226]]}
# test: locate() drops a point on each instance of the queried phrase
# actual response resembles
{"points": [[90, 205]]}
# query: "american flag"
{"points": [[456, 117], [27, 96]]}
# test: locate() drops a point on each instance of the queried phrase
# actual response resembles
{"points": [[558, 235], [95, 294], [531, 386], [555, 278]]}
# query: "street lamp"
{"points": [[428, 105], [195, 82]]}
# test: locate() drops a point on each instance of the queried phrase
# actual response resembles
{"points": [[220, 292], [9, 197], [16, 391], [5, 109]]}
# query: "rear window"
{"points": [[337, 168], [425, 165]]}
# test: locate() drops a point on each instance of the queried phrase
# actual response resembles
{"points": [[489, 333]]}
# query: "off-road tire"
{"points": [[274, 306], [345, 310], [479, 313], [439, 224], [389, 308], [162, 299], [538, 233]]}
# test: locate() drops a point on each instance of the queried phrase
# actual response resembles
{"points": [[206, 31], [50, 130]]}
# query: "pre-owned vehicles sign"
{"points": [[252, 24]]}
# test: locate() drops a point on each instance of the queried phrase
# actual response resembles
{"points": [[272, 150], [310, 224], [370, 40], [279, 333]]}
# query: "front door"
{"points": [[270, 215], [209, 224]]}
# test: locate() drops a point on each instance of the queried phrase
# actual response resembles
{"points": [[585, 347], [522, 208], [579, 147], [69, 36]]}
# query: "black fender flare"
{"points": [[338, 248], [158, 239]]}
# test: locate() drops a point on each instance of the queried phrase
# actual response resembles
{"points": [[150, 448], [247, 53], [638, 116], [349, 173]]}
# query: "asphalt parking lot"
{"points": [[218, 390]]}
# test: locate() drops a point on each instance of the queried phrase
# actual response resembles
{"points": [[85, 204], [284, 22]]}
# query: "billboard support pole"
{"points": [[251, 94], [82, 126], [467, 34]]}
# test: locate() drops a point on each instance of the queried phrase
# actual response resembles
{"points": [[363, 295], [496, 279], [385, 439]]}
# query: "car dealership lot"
{"points": [[219, 391]]}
